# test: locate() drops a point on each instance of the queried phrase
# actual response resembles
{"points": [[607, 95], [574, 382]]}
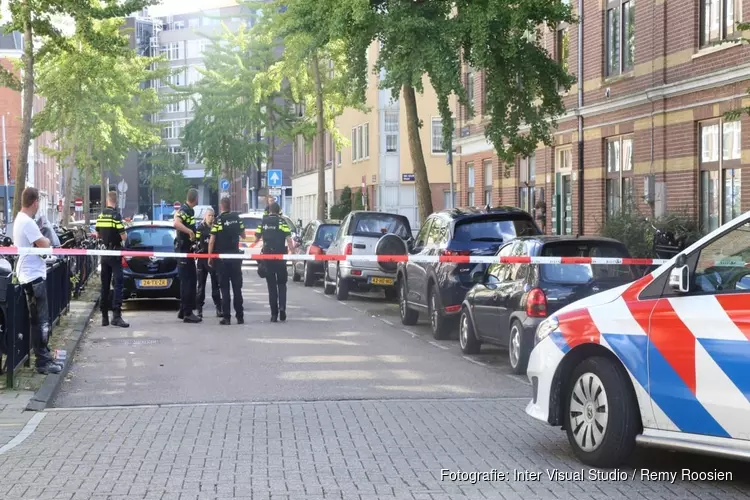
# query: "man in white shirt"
{"points": [[31, 271]]}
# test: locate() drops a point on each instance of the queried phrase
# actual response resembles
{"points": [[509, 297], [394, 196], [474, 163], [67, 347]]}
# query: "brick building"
{"points": [[649, 112]]}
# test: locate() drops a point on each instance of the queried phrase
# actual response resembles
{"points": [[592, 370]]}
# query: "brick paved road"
{"points": [[376, 447]]}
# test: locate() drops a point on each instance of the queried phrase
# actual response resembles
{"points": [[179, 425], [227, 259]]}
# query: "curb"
{"points": [[52, 382]]}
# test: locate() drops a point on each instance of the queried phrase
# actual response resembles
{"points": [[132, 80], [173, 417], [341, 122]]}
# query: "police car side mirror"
{"points": [[679, 279]]}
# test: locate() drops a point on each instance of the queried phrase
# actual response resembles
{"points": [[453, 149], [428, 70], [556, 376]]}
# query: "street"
{"points": [[340, 401]]}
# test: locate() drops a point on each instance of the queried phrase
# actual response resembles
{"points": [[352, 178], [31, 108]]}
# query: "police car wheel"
{"points": [[601, 415]]}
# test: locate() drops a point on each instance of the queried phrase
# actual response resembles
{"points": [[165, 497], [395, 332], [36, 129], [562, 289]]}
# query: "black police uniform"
{"points": [[227, 229], [186, 267], [202, 235], [110, 228], [274, 231]]}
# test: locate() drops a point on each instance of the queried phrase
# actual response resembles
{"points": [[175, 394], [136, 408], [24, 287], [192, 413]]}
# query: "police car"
{"points": [[663, 361]]}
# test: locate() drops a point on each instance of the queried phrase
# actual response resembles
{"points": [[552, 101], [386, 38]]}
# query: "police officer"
{"points": [[202, 235], [225, 238], [111, 231], [277, 237], [184, 222]]}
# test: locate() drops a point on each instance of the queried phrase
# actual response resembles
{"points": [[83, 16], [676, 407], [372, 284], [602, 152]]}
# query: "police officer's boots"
{"points": [[200, 312], [105, 318], [118, 321]]}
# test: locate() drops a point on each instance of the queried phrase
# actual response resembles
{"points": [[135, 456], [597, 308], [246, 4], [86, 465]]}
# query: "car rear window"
{"points": [[583, 273], [251, 223], [141, 237], [379, 224], [326, 233], [493, 230]]}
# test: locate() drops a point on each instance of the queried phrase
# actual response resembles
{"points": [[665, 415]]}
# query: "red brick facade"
{"points": [[658, 107]]}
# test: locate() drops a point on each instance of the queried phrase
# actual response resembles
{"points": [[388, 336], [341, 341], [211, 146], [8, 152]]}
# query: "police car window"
{"points": [[251, 222], [721, 263], [150, 237]]}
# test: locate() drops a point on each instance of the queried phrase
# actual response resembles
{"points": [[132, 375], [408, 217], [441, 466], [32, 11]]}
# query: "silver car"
{"points": [[359, 234]]}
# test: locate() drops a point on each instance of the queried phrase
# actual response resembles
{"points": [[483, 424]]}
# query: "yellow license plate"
{"points": [[154, 283], [381, 281]]}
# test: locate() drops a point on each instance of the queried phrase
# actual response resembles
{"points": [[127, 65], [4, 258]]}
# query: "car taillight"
{"points": [[455, 253], [348, 249], [536, 304], [124, 262], [315, 250]]}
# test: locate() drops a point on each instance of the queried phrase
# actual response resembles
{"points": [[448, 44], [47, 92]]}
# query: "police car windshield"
{"points": [[150, 237], [584, 273], [251, 222]]}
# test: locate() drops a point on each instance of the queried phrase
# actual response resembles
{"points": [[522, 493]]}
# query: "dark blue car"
{"points": [[150, 277], [438, 289]]}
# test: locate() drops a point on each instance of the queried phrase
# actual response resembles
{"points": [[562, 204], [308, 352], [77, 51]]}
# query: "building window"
{"points": [[193, 23], [620, 44], [171, 51], [171, 130], [487, 173], [469, 92], [619, 184], [365, 130], [447, 202], [437, 136], [720, 161], [470, 184], [174, 107], [527, 178], [719, 20], [562, 45], [178, 25], [391, 131]]}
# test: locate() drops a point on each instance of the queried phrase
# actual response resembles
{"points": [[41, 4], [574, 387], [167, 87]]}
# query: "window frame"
{"points": [[388, 131], [623, 66], [434, 151], [470, 184], [621, 175], [721, 166], [527, 182], [487, 175], [726, 31], [366, 133]]}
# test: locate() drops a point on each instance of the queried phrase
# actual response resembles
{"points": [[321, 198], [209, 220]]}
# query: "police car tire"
{"points": [[623, 419]]}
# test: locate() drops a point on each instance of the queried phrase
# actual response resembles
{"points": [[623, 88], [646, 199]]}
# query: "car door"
{"points": [[502, 298], [415, 271], [437, 239], [336, 247], [489, 299], [304, 245], [699, 342]]}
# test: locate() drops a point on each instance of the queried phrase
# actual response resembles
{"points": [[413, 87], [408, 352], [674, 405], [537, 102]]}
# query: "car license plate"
{"points": [[381, 281], [153, 283]]}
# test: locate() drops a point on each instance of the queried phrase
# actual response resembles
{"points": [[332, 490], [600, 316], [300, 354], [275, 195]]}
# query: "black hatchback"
{"points": [[439, 288], [150, 277], [510, 300]]}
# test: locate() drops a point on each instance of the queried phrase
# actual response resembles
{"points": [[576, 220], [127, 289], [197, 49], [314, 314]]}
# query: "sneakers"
{"points": [[225, 321], [49, 368], [282, 315], [192, 318]]}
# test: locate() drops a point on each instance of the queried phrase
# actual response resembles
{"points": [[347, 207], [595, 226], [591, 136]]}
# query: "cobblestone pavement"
{"points": [[336, 436]]}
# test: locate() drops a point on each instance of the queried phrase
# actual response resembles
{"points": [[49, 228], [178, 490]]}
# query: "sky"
{"points": [[173, 7]]}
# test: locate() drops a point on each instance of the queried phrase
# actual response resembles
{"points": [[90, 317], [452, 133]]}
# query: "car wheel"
{"points": [[518, 351], [391, 294], [328, 288], [466, 336], [295, 276], [307, 277], [409, 317], [438, 323], [342, 286], [601, 413]]}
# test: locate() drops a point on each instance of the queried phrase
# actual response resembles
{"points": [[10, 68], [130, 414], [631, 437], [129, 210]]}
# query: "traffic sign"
{"points": [[177, 205], [224, 185], [79, 202], [275, 177], [274, 191]]}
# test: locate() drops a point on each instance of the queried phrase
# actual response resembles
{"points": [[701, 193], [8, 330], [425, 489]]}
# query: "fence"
{"points": [[66, 278]]}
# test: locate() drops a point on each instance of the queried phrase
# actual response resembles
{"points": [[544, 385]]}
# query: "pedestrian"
{"points": [[277, 237], [31, 271], [184, 222], [225, 239], [202, 235], [111, 230]]}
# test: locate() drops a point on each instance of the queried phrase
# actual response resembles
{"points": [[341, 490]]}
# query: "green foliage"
{"points": [[344, 206], [357, 202], [166, 173]]}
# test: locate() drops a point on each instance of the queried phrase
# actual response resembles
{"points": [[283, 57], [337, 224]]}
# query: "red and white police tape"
{"points": [[459, 259]]}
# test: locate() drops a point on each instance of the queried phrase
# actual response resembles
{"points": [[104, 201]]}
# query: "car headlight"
{"points": [[546, 327]]}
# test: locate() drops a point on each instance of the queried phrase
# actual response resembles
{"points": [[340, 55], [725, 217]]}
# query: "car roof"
{"points": [[582, 238], [460, 212]]}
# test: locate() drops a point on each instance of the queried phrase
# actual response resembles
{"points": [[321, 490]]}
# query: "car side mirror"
{"points": [[679, 279], [477, 277]]}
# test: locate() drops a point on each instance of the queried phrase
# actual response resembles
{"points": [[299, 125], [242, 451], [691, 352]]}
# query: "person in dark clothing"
{"points": [[111, 231], [225, 239], [202, 235], [277, 237], [184, 222]]}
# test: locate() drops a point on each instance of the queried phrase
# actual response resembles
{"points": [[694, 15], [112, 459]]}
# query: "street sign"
{"points": [[177, 205], [224, 185], [79, 202], [274, 191], [407, 177], [275, 177]]}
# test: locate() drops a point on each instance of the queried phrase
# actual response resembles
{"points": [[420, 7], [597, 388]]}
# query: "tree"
{"points": [[166, 174], [34, 18]]}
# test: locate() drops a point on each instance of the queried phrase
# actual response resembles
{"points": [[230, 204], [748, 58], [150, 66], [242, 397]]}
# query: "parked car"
{"points": [[439, 288], [251, 220], [314, 240], [662, 361], [150, 277], [359, 234], [509, 301]]}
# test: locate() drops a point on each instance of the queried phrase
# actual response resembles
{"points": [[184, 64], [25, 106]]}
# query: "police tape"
{"points": [[458, 259]]}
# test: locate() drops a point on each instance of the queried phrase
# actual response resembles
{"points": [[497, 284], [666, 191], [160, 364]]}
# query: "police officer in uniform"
{"points": [[111, 231], [225, 238], [184, 222], [277, 236], [202, 235]]}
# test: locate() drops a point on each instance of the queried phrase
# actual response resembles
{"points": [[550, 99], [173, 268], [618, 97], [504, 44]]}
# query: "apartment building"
{"points": [[645, 125], [377, 159]]}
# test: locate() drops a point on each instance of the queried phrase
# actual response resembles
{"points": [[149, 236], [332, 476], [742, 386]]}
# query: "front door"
{"points": [[562, 207], [699, 343]]}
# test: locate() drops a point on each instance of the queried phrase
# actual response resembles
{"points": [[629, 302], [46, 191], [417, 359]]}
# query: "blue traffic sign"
{"points": [[274, 178], [224, 184]]}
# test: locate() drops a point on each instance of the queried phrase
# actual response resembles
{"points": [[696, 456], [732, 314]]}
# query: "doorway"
{"points": [[562, 209]]}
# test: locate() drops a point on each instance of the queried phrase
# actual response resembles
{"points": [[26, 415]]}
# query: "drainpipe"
{"points": [[580, 117]]}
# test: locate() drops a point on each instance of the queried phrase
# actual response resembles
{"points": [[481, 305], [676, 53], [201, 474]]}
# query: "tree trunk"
{"points": [[86, 197], [69, 188], [28, 104], [103, 181], [424, 195], [321, 139]]}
